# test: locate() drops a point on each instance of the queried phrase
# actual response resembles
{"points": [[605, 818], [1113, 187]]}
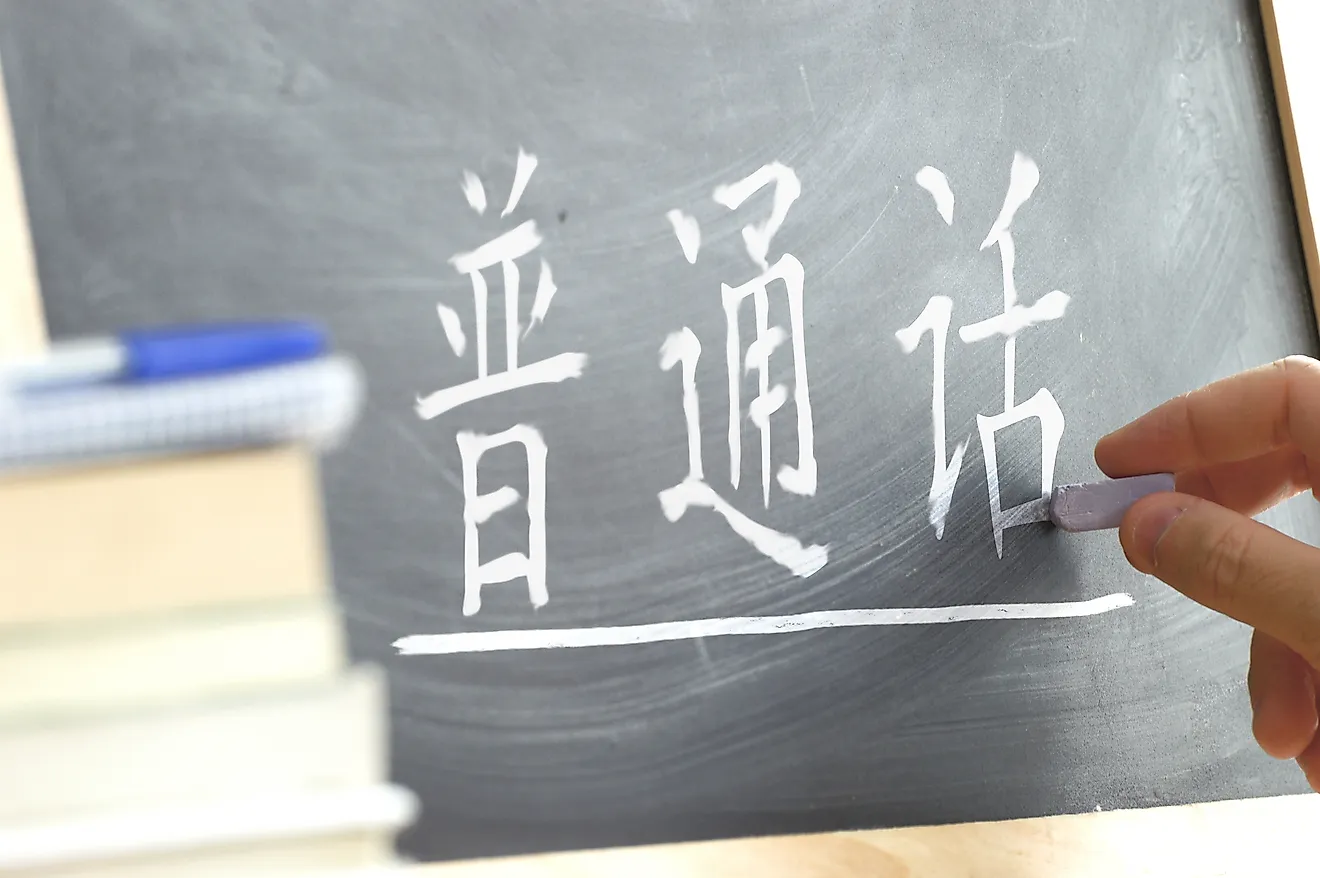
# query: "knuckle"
{"points": [[1225, 563], [1281, 434], [1290, 373], [1303, 636], [1307, 645]]}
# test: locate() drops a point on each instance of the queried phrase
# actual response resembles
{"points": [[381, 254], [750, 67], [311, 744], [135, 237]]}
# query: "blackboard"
{"points": [[350, 161]]}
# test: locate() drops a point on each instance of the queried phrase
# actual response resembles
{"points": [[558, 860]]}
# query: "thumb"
{"points": [[1231, 564]]}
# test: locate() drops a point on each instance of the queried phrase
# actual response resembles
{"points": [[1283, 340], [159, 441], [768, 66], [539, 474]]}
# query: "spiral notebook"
{"points": [[314, 401]]}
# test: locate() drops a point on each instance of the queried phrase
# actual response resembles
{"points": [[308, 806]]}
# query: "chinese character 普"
{"points": [[504, 250]]}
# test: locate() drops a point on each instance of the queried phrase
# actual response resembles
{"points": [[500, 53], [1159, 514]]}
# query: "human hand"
{"points": [[1237, 447]]}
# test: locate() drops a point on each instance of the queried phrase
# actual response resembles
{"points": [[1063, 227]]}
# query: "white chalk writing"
{"points": [[681, 352], [478, 508], [1023, 179], [661, 632], [504, 251], [683, 347], [935, 320]]}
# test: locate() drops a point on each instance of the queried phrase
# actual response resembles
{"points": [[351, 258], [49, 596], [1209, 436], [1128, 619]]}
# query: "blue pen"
{"points": [[164, 353]]}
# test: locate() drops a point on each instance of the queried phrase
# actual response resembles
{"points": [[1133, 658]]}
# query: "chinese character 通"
{"points": [[684, 348]]}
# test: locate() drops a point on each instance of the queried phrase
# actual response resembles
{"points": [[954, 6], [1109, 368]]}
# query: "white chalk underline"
{"points": [[625, 635]]}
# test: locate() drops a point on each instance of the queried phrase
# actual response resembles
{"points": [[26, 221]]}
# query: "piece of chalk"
{"points": [[1101, 505]]}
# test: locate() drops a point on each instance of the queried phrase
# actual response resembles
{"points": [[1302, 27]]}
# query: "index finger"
{"points": [[1237, 418]]}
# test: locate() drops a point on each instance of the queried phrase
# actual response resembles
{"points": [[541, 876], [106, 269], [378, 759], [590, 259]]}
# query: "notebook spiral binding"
{"points": [[314, 401]]}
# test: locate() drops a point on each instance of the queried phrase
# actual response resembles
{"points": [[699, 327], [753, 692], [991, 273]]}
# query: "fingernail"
{"points": [[1151, 527]]}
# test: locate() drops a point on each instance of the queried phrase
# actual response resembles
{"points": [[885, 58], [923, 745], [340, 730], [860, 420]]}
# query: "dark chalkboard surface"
{"points": [[748, 189]]}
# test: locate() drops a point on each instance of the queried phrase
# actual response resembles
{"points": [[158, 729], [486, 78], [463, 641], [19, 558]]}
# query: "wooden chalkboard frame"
{"points": [[1248, 837], [1291, 26]]}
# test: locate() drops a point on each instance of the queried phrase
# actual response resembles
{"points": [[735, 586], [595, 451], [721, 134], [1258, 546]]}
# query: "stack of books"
{"points": [[176, 697]]}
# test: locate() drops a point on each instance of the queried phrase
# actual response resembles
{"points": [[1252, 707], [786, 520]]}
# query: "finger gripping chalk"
{"points": [[1101, 505]]}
